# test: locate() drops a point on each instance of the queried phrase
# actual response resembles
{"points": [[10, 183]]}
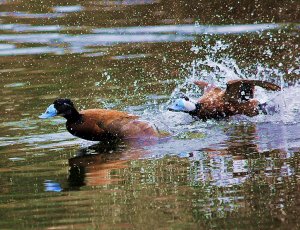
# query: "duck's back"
{"points": [[100, 124], [212, 104]]}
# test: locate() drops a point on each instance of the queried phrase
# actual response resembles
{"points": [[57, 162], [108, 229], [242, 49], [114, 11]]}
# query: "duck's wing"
{"points": [[243, 90], [124, 125]]}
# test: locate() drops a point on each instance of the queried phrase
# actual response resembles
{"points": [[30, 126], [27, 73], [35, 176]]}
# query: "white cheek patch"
{"points": [[189, 106], [182, 105]]}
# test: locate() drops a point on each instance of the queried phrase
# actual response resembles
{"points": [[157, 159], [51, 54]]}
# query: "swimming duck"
{"points": [[237, 98], [100, 124]]}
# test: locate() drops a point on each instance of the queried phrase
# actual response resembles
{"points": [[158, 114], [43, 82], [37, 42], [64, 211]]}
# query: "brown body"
{"points": [[102, 124], [238, 98], [214, 104]]}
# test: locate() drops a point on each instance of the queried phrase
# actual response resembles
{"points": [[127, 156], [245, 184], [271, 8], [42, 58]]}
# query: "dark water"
{"points": [[241, 173]]}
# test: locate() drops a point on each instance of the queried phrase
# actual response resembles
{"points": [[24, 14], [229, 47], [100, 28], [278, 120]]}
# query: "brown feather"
{"points": [[102, 124], [237, 90], [238, 98]]}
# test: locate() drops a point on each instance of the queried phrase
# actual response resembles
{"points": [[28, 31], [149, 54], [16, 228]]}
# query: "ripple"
{"points": [[18, 14], [16, 159], [188, 29], [67, 9], [30, 28], [16, 84], [7, 47], [31, 51], [77, 43], [43, 141]]}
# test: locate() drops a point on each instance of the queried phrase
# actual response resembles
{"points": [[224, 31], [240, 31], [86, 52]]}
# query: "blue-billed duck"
{"points": [[100, 124], [237, 98]]}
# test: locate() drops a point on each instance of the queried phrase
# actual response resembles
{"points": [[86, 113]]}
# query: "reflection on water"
{"points": [[216, 180], [138, 56]]}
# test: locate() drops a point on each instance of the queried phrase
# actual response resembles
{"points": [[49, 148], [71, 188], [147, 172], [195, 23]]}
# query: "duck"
{"points": [[237, 98], [100, 124]]}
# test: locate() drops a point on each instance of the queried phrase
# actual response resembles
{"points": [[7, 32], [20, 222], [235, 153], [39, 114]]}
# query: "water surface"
{"points": [[138, 56]]}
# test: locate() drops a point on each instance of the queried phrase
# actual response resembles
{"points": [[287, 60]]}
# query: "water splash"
{"points": [[217, 67]]}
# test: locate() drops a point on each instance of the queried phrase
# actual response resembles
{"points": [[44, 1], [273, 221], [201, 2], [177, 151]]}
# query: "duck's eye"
{"points": [[184, 97]]}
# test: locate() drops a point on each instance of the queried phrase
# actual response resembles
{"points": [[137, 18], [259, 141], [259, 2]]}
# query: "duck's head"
{"points": [[183, 105], [60, 107]]}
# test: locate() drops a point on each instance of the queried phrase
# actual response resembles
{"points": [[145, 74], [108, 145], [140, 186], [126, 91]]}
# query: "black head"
{"points": [[62, 107], [65, 107]]}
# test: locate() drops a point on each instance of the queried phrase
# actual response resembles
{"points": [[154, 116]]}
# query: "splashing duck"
{"points": [[237, 98]]}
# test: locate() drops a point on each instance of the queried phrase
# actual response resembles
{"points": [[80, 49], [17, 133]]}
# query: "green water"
{"points": [[134, 56]]}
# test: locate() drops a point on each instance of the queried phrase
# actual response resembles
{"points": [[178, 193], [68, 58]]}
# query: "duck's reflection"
{"points": [[94, 165]]}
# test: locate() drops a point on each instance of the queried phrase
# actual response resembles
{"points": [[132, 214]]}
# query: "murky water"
{"points": [[138, 56]]}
